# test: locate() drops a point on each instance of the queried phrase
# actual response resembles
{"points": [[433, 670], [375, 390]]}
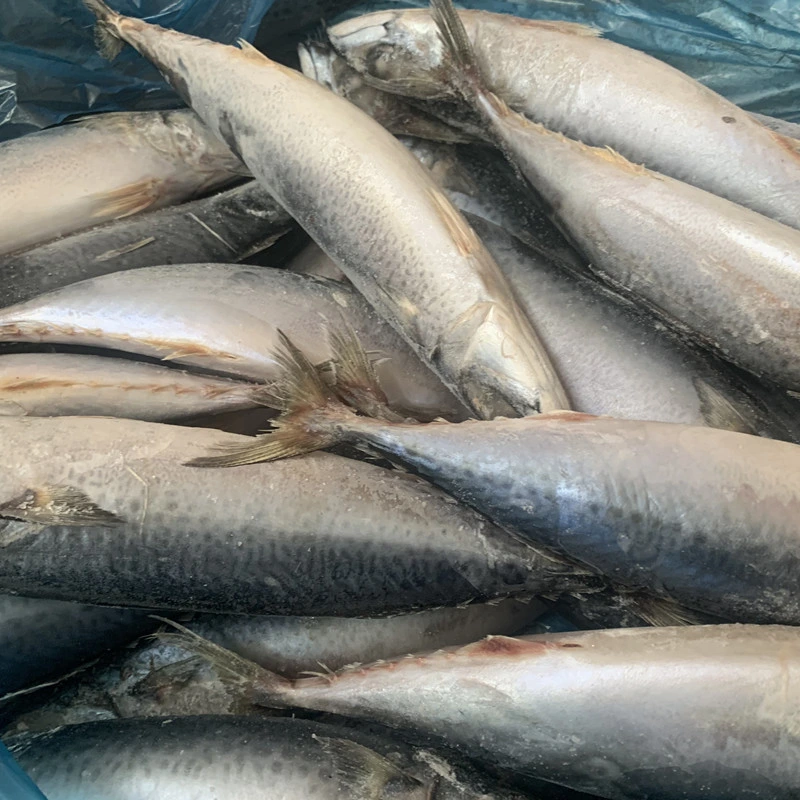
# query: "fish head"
{"points": [[399, 51], [323, 64]]}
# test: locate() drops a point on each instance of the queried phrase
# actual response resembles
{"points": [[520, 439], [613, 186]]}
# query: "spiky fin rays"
{"points": [[314, 416]]}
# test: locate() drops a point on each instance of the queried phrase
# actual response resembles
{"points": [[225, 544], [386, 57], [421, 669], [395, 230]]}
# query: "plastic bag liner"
{"points": [[50, 67], [747, 50], [14, 784]]}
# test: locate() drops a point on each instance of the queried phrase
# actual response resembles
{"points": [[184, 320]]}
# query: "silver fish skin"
{"points": [[230, 758], [384, 221], [292, 645], [717, 271], [569, 79], [41, 639], [706, 517], [630, 713], [228, 226], [67, 384], [225, 318], [614, 360], [782, 126], [60, 180], [106, 511]]}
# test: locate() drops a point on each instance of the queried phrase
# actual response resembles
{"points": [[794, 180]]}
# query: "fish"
{"points": [[719, 273], [627, 713], [234, 757], [159, 678], [229, 226], [571, 80], [67, 384], [293, 645], [384, 221], [225, 318], [42, 639], [320, 61], [616, 361], [790, 130], [108, 511], [703, 517], [104, 167]]}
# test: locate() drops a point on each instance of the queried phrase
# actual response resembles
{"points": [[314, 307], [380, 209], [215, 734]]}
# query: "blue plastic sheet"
{"points": [[50, 68], [747, 50], [14, 784]]}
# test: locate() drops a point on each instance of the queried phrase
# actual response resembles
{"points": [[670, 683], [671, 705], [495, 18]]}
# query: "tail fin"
{"points": [[355, 380], [308, 422], [259, 684], [106, 29], [461, 65]]}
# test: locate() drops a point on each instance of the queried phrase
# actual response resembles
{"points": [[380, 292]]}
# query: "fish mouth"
{"points": [[362, 31]]}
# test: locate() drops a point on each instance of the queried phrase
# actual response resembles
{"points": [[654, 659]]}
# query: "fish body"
{"points": [[161, 678], [60, 180], [227, 227], [706, 517], [230, 758], [107, 511], [225, 318], [42, 639], [384, 220], [66, 384], [717, 271], [616, 361], [568, 78], [624, 714], [292, 645]]}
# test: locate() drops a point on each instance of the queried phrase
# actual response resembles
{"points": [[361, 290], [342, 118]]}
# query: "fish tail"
{"points": [[460, 64], [314, 417], [253, 681], [107, 36]]}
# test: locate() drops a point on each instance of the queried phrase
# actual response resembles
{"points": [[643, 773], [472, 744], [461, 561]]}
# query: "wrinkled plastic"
{"points": [[14, 784], [50, 68], [747, 50]]}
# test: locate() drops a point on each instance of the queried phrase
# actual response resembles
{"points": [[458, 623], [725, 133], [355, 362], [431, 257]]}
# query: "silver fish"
{"points": [[65, 384], [229, 226], [616, 361], [230, 758], [225, 317], [713, 269], [159, 678], [667, 713], [569, 79], [107, 511], [292, 645], [321, 62], [42, 639], [383, 220], [60, 180], [705, 517], [312, 260]]}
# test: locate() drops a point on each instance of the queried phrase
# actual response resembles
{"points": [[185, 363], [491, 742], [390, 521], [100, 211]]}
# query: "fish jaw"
{"points": [[369, 43]]}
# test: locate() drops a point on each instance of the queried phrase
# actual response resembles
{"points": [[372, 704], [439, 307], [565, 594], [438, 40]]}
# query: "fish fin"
{"points": [[418, 88], [465, 238], [127, 200], [718, 411], [660, 612], [106, 36], [58, 505], [233, 670], [251, 51], [308, 423], [354, 377], [363, 773]]}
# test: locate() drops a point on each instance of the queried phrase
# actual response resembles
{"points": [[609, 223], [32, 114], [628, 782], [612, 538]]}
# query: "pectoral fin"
{"points": [[126, 200], [57, 505], [363, 773]]}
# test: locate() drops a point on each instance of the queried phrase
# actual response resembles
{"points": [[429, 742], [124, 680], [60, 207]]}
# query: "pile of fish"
{"points": [[421, 426]]}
